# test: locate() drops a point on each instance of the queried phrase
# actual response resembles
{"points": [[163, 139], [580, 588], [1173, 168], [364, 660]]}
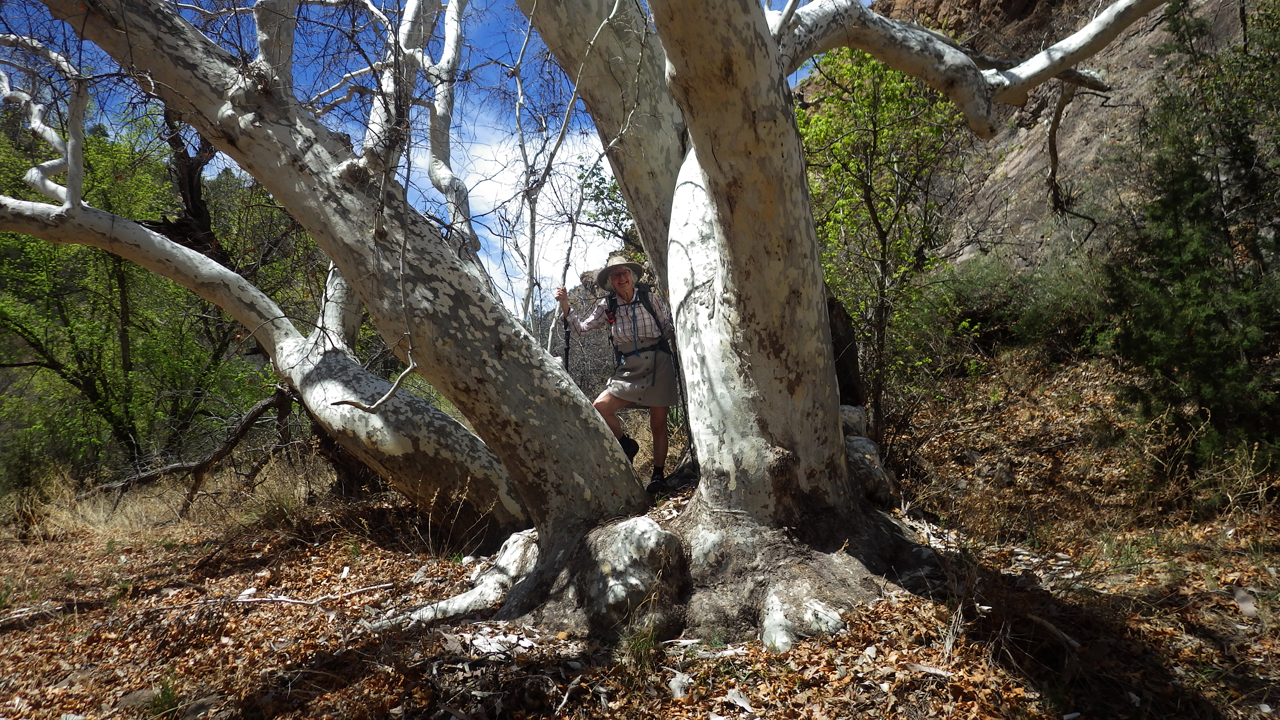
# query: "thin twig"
{"points": [[271, 599], [1066, 640], [572, 685]]}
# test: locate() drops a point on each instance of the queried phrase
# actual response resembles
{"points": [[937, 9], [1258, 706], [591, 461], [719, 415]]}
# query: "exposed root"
{"points": [[515, 560], [620, 572], [616, 573], [715, 573]]}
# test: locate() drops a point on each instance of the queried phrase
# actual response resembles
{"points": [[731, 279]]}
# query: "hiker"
{"points": [[639, 329]]}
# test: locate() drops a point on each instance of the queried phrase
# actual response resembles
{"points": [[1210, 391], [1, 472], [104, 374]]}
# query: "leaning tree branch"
{"points": [[1012, 86], [443, 75], [940, 61], [198, 467], [151, 250]]}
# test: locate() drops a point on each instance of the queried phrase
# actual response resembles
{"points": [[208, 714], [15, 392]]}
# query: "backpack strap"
{"points": [[611, 313]]}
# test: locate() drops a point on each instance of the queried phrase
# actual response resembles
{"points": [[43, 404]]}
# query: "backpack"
{"points": [[611, 311]]}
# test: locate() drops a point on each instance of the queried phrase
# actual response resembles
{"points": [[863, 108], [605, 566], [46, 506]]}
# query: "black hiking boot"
{"points": [[658, 483], [629, 446]]}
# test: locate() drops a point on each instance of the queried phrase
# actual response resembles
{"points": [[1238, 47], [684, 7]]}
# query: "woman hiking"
{"points": [[639, 329]]}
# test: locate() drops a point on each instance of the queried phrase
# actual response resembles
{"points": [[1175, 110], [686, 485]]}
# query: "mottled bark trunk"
{"points": [[745, 277], [422, 298]]}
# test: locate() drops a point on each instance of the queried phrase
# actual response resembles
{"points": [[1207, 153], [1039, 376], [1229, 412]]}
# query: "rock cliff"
{"points": [[1010, 208]]}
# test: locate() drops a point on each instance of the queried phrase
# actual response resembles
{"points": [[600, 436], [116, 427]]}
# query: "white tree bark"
{"points": [[440, 169], [754, 303], [420, 450], [561, 458], [743, 268], [699, 97]]}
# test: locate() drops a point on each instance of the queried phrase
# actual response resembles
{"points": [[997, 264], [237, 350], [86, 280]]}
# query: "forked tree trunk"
{"points": [[707, 155], [426, 302]]}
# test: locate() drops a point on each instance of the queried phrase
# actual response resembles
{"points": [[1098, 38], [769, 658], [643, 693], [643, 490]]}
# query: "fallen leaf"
{"points": [[1247, 606]]}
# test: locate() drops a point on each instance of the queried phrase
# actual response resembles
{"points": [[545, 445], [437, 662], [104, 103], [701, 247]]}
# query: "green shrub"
{"points": [[1195, 289]]}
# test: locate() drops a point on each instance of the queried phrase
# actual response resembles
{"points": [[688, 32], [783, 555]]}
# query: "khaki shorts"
{"points": [[647, 379]]}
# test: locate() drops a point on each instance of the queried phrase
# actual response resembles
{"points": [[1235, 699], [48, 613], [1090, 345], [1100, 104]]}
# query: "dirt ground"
{"points": [[1074, 593]]}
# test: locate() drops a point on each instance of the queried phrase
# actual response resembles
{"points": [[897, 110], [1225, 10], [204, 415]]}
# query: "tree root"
{"points": [[515, 560], [712, 574]]}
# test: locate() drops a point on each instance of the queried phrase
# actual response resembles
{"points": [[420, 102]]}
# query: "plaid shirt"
{"points": [[632, 322]]}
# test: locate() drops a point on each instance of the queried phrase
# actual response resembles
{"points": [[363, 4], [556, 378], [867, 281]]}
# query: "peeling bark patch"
{"points": [[728, 72]]}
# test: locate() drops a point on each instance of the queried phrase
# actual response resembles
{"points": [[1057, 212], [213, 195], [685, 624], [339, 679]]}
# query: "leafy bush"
{"points": [[883, 154], [1059, 303]]}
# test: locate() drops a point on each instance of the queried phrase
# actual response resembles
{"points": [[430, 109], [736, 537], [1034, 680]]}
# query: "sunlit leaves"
{"points": [[883, 155]]}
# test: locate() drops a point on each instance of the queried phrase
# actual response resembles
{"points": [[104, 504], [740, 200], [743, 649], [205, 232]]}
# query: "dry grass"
{"points": [[635, 422], [52, 509]]}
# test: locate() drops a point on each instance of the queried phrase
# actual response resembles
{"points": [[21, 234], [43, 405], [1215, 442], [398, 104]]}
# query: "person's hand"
{"points": [[562, 295]]}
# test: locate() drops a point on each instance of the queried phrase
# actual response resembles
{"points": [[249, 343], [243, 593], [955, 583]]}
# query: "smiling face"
{"points": [[621, 280]]}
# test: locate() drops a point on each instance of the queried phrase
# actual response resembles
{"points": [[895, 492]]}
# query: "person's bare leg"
{"points": [[608, 406], [658, 428]]}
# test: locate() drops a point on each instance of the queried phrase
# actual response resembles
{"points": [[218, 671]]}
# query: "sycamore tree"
{"points": [[693, 106]]}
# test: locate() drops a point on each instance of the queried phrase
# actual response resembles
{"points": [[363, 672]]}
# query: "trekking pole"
{"points": [[565, 321]]}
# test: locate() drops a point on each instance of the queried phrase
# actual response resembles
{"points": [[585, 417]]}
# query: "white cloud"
{"points": [[490, 164]]}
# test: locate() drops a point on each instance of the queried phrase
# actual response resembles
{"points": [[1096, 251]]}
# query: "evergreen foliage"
{"points": [[1195, 292]]}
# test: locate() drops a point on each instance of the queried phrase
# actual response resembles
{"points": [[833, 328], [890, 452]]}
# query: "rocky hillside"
{"points": [[1010, 202]]}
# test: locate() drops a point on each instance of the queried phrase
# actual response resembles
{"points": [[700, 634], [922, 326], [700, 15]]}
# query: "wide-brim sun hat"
{"points": [[617, 261]]}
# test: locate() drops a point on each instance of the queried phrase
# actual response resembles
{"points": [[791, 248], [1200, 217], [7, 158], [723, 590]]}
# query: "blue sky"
{"points": [[484, 151]]}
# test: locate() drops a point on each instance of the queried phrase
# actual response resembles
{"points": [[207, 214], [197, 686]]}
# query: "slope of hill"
{"points": [[1009, 211]]}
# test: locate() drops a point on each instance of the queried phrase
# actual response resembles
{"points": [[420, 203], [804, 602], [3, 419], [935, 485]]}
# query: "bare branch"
{"points": [[277, 21], [75, 145], [635, 116], [535, 186], [71, 150], [387, 133], [345, 81], [223, 12], [198, 467], [941, 63], [280, 599], [443, 75], [31, 45], [1013, 85], [778, 22], [395, 387]]}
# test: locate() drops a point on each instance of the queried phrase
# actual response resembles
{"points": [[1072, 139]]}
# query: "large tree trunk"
{"points": [[747, 287], [777, 537], [426, 303]]}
